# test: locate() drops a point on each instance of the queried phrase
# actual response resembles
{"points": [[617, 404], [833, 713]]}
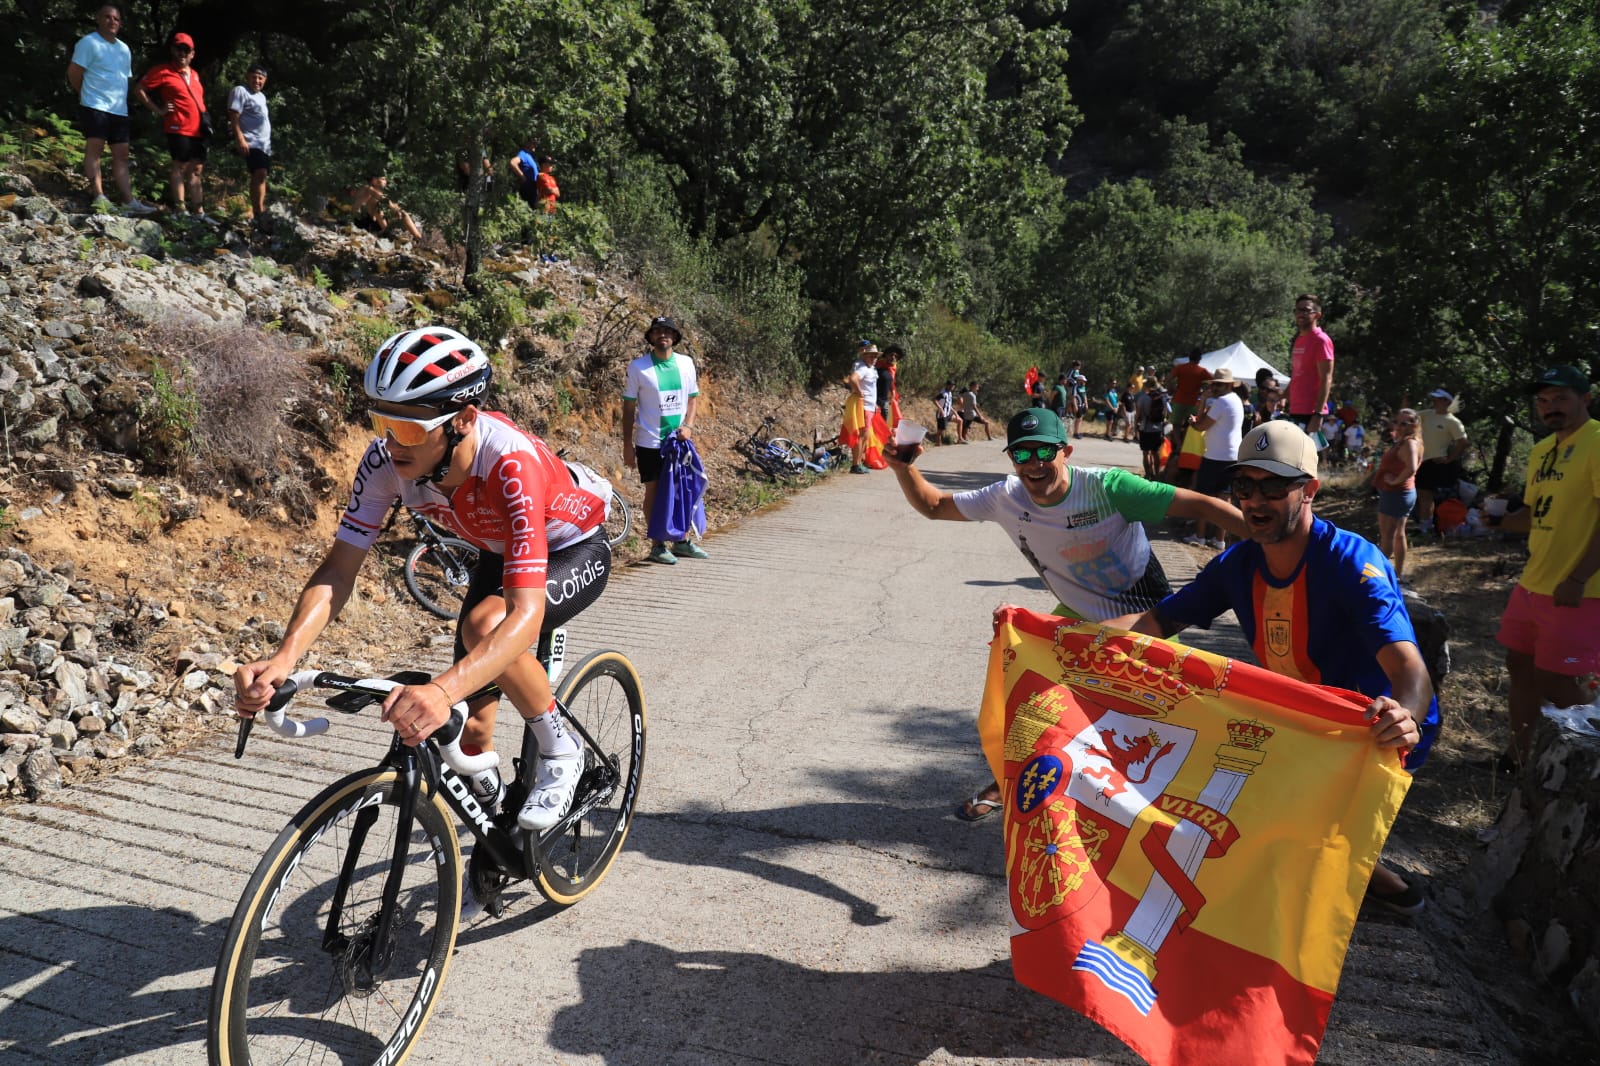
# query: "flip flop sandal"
{"points": [[977, 809]]}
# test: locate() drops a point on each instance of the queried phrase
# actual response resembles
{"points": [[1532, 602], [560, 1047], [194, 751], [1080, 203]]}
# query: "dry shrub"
{"points": [[235, 385]]}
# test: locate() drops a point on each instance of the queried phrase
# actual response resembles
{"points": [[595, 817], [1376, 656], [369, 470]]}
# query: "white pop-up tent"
{"points": [[1244, 363]]}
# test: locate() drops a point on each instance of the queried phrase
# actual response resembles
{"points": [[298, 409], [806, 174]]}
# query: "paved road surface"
{"points": [[795, 891]]}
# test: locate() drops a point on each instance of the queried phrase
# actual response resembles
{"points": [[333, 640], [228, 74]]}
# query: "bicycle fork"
{"points": [[379, 947]]}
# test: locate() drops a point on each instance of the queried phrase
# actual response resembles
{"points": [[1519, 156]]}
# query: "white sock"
{"points": [[552, 736]]}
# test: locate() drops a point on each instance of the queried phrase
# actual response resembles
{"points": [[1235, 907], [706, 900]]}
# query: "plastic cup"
{"points": [[907, 435]]}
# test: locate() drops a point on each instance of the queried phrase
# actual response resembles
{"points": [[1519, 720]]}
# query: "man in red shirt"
{"points": [[1311, 365], [180, 100], [1187, 380], [545, 194]]}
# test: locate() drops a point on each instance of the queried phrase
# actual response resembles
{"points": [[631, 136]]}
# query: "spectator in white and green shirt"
{"points": [[658, 401], [1079, 527]]}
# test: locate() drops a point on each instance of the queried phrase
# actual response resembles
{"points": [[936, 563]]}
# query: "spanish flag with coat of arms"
{"points": [[1187, 837]]}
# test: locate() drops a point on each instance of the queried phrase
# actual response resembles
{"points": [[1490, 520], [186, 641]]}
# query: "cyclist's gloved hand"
{"points": [[415, 711], [254, 684]]}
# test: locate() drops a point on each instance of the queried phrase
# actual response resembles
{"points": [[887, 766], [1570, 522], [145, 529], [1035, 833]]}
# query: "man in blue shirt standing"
{"points": [[99, 73], [526, 168], [1317, 603]]}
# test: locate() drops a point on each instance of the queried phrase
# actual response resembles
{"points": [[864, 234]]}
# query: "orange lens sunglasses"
{"points": [[407, 432]]}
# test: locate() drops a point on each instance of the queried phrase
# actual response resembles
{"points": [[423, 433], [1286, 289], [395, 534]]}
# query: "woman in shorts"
{"points": [[1396, 481]]}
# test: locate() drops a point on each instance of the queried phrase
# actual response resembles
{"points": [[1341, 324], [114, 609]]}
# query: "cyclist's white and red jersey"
{"points": [[519, 501]]}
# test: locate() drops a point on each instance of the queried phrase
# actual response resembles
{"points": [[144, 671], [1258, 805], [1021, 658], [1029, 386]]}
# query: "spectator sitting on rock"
{"points": [[370, 204]]}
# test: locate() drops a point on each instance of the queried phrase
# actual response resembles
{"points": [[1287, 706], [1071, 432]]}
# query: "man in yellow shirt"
{"points": [[1551, 625]]}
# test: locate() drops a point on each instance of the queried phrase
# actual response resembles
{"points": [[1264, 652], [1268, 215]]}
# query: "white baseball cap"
{"points": [[1279, 447]]}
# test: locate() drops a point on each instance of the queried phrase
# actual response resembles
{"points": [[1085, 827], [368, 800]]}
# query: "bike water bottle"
{"points": [[487, 787], [480, 769]]}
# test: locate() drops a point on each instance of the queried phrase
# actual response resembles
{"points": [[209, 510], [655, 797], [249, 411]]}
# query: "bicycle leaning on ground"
{"points": [[340, 944], [777, 457]]}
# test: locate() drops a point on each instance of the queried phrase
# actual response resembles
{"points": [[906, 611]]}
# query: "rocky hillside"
{"points": [[176, 402]]}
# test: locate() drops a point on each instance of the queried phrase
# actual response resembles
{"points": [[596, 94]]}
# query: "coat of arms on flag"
{"points": [[1187, 838]]}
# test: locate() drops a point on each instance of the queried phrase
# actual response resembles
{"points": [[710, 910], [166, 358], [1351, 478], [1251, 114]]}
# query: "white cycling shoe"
{"points": [[554, 784]]}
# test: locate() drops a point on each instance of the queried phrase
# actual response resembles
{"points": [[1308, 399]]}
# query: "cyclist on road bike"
{"points": [[536, 521]]}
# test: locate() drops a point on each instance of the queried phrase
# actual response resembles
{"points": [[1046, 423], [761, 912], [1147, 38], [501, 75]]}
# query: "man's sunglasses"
{"points": [[1270, 488], [407, 432], [1042, 452]]}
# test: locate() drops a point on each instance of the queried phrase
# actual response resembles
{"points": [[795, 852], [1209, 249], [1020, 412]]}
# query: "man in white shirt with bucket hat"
{"points": [[658, 401]]}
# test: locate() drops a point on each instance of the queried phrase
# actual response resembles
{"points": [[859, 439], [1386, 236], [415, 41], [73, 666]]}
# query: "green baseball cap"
{"points": [[1037, 424], [1565, 377]]}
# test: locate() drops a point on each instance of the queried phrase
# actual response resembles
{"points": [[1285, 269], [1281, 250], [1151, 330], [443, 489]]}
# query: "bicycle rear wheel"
{"points": [[791, 453], [437, 574], [604, 696], [288, 988], [619, 520]]}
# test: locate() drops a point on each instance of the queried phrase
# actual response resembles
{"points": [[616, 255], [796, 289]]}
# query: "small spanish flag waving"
{"points": [[1187, 838]]}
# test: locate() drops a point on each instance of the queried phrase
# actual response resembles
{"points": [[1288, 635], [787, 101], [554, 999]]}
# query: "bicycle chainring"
{"points": [[486, 882]]}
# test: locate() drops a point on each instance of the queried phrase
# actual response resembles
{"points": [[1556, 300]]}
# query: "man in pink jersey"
{"points": [[1311, 365], [535, 519]]}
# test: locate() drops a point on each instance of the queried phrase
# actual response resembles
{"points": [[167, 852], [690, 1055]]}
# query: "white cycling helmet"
{"points": [[430, 367]]}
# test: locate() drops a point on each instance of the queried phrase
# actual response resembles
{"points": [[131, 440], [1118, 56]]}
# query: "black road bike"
{"points": [[438, 568], [339, 947]]}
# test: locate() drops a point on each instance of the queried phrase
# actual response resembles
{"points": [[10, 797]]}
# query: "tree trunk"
{"points": [[474, 203], [1502, 452]]}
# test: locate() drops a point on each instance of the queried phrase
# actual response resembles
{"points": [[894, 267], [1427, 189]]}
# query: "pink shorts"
{"points": [[1562, 640]]}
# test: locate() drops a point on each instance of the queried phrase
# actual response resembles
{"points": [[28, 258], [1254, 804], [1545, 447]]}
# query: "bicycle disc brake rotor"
{"points": [[599, 780], [355, 963]]}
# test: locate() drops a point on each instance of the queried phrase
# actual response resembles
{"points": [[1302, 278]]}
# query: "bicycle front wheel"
{"points": [[437, 574], [619, 520], [604, 696], [296, 981]]}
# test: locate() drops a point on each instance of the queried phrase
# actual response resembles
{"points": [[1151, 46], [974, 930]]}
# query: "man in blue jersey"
{"points": [[1079, 527], [1317, 603]]}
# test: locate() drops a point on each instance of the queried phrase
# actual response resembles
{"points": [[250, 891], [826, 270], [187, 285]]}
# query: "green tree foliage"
{"points": [[1205, 255], [1483, 262], [860, 135], [1299, 81], [795, 173]]}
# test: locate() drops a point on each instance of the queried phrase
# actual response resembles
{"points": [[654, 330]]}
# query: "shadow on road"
{"points": [[95, 1007], [646, 1003], [960, 480]]}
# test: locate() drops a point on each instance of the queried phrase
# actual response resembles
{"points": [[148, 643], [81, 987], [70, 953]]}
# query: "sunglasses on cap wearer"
{"points": [[407, 432], [1042, 452], [1270, 488]]}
